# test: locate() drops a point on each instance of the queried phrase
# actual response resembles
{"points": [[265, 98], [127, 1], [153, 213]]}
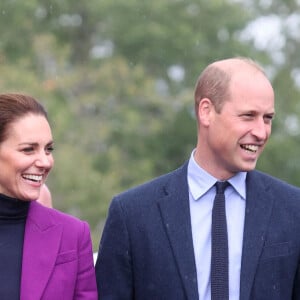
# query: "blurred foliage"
{"points": [[117, 79]]}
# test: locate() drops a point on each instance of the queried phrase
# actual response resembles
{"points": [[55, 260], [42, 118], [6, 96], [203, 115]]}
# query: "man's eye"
{"points": [[50, 149], [248, 115], [268, 119]]}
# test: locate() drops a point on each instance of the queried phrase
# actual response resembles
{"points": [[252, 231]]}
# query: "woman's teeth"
{"points": [[35, 178]]}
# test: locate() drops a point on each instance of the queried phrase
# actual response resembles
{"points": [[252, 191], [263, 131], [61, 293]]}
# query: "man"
{"points": [[45, 196], [157, 241]]}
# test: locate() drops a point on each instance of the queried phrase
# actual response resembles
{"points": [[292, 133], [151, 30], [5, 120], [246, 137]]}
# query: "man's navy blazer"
{"points": [[146, 250]]}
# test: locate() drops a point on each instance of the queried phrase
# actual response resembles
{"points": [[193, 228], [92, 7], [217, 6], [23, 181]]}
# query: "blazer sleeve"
{"points": [[86, 287], [296, 290], [113, 265]]}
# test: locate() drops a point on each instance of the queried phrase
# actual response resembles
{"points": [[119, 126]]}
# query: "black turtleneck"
{"points": [[13, 214]]}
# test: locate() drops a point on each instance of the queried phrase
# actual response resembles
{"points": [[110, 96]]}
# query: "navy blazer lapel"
{"points": [[175, 212], [259, 206]]}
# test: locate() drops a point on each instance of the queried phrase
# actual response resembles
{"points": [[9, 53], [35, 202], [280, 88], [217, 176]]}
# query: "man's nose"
{"points": [[261, 129]]}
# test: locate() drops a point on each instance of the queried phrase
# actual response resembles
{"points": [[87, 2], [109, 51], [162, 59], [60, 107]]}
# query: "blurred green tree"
{"points": [[117, 78]]}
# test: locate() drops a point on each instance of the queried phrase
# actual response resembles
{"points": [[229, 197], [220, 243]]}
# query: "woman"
{"points": [[44, 253]]}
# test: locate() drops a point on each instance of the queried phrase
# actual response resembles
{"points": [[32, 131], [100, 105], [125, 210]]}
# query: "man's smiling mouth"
{"points": [[250, 148]]}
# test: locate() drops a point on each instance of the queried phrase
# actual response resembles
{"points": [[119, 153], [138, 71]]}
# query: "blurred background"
{"points": [[117, 78]]}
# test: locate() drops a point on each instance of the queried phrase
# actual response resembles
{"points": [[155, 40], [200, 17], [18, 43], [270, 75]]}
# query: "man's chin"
{"points": [[247, 167]]}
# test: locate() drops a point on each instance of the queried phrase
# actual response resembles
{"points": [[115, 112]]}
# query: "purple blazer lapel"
{"points": [[41, 245]]}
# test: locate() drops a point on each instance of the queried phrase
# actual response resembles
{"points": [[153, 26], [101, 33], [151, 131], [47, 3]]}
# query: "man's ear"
{"points": [[205, 110]]}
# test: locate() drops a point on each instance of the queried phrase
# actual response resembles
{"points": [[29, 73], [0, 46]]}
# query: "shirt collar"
{"points": [[200, 181]]}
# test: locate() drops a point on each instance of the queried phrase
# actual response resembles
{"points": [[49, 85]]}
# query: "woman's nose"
{"points": [[44, 160]]}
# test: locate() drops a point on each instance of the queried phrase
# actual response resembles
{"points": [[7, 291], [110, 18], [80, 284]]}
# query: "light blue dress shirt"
{"points": [[201, 196]]}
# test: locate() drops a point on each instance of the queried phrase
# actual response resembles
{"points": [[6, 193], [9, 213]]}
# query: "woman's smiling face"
{"points": [[26, 157]]}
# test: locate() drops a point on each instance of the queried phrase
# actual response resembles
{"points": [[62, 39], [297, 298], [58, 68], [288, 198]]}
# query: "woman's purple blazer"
{"points": [[57, 258]]}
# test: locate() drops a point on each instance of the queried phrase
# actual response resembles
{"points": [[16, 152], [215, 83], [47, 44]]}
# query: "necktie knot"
{"points": [[221, 186]]}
